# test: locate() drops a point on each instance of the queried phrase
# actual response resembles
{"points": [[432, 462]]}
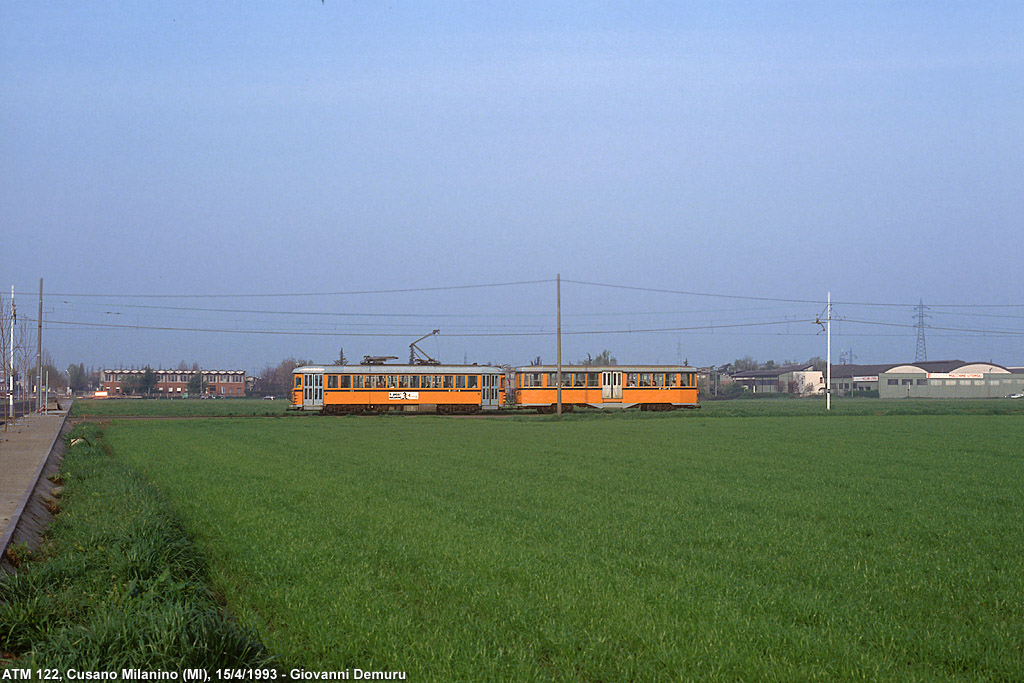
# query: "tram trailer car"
{"points": [[449, 389], [651, 387]]}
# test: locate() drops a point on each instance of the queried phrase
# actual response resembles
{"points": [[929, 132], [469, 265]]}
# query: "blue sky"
{"points": [[764, 149]]}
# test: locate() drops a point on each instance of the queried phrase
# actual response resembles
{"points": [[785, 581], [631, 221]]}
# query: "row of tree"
{"points": [[748, 363]]}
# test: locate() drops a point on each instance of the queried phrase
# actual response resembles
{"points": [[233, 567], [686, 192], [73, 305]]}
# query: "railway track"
{"points": [[22, 407]]}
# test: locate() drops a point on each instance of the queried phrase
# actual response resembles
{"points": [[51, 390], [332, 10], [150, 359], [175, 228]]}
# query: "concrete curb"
{"points": [[12, 526]]}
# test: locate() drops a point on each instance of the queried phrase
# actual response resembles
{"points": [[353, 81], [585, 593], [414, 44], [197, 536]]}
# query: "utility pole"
{"points": [[39, 351], [558, 378], [828, 354], [10, 373]]}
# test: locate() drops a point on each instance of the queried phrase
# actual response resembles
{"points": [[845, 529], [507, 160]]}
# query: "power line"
{"points": [[939, 327], [404, 290], [71, 323], [706, 294], [784, 300], [715, 326], [407, 315]]}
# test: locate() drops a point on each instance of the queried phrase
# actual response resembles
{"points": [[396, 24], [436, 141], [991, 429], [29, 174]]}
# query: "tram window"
{"points": [[345, 381], [382, 382], [332, 381], [553, 379], [414, 382], [448, 382], [392, 381], [435, 381], [659, 379], [579, 379], [460, 381], [298, 380], [593, 379], [357, 381], [403, 381], [645, 379], [631, 379], [472, 381]]}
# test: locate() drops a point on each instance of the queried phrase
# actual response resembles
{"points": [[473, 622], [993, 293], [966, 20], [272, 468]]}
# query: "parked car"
{"points": [[1018, 395], [268, 398]]}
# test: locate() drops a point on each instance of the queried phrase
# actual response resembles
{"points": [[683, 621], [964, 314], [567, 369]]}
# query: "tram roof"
{"points": [[606, 368], [400, 369]]}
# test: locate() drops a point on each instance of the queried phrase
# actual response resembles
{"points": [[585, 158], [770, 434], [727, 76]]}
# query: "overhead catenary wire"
{"points": [[377, 314], [255, 295], [393, 334], [405, 290]]}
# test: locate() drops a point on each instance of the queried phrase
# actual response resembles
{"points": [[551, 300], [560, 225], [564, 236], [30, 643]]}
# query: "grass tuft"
{"points": [[119, 583]]}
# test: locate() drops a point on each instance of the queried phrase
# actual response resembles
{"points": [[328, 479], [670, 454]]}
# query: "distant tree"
{"points": [[603, 358], [744, 364], [278, 379], [536, 361], [56, 378], [182, 365], [77, 378], [148, 381], [769, 365], [818, 362], [131, 384], [195, 384], [341, 357]]}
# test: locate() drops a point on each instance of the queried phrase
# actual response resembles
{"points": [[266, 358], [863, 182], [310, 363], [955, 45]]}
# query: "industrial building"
{"points": [[801, 380], [929, 379]]}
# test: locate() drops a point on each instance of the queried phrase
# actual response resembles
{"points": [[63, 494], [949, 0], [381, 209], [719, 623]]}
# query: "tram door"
{"points": [[611, 385], [489, 394], [312, 390]]}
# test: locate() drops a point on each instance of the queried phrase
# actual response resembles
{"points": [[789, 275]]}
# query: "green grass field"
{"points": [[742, 408], [179, 407], [615, 548]]}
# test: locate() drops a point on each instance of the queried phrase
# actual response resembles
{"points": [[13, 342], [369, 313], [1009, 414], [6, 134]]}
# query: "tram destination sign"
{"points": [[403, 395]]}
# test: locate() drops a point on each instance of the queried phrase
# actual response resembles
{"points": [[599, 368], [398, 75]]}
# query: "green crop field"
{"points": [[673, 546], [179, 407], [235, 407]]}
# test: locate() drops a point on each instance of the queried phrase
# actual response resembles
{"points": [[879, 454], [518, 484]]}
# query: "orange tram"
{"points": [[451, 389], [467, 389]]}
